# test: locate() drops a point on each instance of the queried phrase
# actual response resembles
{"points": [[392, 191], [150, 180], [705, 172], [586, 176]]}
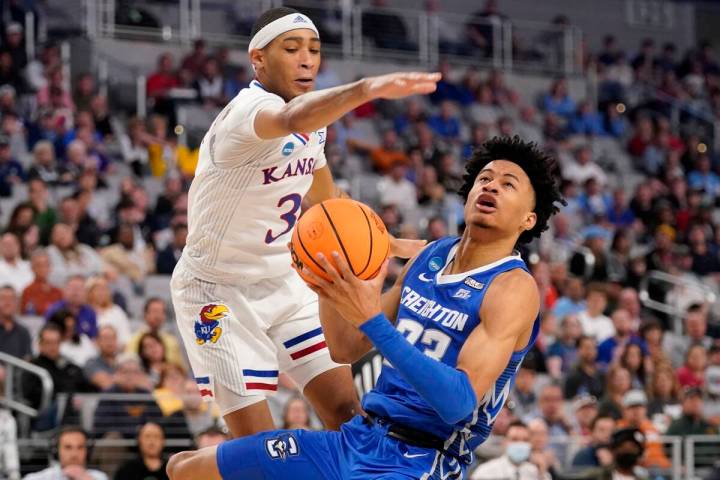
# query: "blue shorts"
{"points": [[360, 450]]}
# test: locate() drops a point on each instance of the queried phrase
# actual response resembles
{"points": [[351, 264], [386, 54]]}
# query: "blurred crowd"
{"points": [[93, 209]]}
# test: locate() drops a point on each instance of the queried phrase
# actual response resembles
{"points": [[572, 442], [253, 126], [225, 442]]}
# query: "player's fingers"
{"points": [[380, 277], [425, 87], [343, 267], [315, 279], [332, 272]]}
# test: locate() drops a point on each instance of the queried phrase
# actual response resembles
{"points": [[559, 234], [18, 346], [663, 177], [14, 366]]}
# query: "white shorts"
{"points": [[239, 337]]}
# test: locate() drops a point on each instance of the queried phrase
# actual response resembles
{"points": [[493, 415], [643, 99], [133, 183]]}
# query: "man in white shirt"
{"points": [[71, 450], [583, 168], [594, 323], [397, 190], [13, 269], [515, 463]]}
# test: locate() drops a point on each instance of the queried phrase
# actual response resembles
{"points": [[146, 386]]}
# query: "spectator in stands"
{"points": [[68, 257], [395, 189], [101, 369], [664, 392], [126, 416], [99, 298], [168, 257], [74, 345], [40, 294], [11, 172], [585, 378], [15, 45], [691, 422], [85, 91], [152, 356], [587, 120], [608, 350], [45, 216], [515, 462], [14, 337], [551, 412], [66, 376], [149, 464], [296, 414], [449, 90], [210, 437], [695, 333], [484, 110], [181, 402], [617, 385], [385, 28], [610, 51], [446, 124], [634, 415], [195, 60], [585, 407], [481, 28], [523, 394], [643, 136], [633, 359], [595, 243], [74, 301], [573, 300], [692, 373], [54, 94], [562, 354], [385, 156], [159, 84], [43, 163], [544, 451], [128, 256], [13, 268], [558, 101], [71, 445], [652, 334], [528, 126], [10, 75], [155, 316], [594, 323], [597, 453], [436, 229], [210, 85], [583, 168]]}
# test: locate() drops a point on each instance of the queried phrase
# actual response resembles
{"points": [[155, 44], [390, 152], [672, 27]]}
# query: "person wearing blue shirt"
{"points": [[573, 299], [623, 335], [11, 172], [558, 101], [704, 178], [445, 124], [587, 121], [73, 301]]}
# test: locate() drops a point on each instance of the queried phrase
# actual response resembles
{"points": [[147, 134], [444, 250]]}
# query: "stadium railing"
{"points": [[666, 281], [12, 398]]}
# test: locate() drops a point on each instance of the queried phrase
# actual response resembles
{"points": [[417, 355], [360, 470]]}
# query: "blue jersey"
{"points": [[437, 313]]}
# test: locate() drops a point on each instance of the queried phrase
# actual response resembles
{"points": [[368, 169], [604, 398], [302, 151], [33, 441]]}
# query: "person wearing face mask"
{"points": [[515, 462]]}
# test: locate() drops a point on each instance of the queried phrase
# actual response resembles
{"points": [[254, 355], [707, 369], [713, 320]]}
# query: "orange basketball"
{"points": [[345, 226]]}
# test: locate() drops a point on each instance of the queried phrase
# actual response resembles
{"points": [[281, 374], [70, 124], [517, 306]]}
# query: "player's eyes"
{"points": [[483, 179], [291, 50], [314, 51], [508, 184]]}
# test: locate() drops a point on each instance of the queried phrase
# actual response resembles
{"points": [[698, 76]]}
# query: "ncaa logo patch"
{"points": [[207, 327], [288, 149], [435, 264], [282, 447]]}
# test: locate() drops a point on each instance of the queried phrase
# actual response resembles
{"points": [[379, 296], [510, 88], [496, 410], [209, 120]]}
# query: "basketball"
{"points": [[345, 226]]}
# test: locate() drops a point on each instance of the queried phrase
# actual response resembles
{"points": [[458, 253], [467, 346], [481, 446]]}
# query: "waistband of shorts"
{"points": [[210, 275]]}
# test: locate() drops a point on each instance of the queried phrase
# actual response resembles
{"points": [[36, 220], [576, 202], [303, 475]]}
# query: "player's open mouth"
{"points": [[305, 82], [486, 203]]}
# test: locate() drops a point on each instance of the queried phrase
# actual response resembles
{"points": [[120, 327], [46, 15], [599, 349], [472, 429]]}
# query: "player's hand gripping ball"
{"points": [[345, 226]]}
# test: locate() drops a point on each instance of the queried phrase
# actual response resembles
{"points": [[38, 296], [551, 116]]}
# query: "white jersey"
{"points": [[246, 195]]}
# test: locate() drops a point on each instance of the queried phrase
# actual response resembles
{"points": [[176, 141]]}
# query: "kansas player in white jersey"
{"points": [[454, 330], [244, 316]]}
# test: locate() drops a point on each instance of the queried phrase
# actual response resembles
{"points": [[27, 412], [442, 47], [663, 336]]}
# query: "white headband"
{"points": [[277, 27]]}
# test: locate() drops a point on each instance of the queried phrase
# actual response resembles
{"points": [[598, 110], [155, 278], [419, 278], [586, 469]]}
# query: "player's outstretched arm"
{"points": [[314, 110]]}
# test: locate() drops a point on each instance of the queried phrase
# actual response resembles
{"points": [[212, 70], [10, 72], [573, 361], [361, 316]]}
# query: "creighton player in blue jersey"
{"points": [[454, 329]]}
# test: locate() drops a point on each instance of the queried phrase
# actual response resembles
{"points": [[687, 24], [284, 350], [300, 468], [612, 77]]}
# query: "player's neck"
{"points": [[474, 253]]}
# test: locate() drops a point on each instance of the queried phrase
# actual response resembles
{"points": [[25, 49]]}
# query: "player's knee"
{"points": [[179, 466]]}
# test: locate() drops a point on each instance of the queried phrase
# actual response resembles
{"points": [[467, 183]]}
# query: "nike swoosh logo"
{"points": [[423, 278], [407, 455]]}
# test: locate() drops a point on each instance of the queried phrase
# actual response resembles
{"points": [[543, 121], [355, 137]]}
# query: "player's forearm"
{"points": [[315, 110], [346, 343]]}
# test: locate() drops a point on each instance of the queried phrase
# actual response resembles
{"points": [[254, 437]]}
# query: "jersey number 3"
{"points": [[289, 217], [436, 342]]}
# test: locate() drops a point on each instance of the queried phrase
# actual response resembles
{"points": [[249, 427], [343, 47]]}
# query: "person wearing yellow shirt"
{"points": [[155, 314]]}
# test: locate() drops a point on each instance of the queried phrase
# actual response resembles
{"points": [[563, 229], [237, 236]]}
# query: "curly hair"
{"points": [[541, 168]]}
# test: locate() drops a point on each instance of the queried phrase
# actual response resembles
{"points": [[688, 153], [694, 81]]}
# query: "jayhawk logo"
{"points": [[207, 328]]}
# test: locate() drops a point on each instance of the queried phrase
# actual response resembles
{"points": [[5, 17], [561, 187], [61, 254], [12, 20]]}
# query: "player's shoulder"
{"points": [[514, 287]]}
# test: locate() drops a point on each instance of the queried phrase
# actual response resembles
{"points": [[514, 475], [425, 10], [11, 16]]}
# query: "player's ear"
{"points": [[530, 221], [257, 58]]}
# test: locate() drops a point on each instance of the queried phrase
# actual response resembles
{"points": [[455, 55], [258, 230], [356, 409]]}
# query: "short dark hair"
{"points": [[598, 418], [270, 16], [152, 300], [585, 338], [517, 423], [49, 327], [694, 308], [541, 168]]}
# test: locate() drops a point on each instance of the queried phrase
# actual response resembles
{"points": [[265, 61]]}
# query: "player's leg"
{"points": [[233, 360], [343, 404], [280, 455], [303, 354]]}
